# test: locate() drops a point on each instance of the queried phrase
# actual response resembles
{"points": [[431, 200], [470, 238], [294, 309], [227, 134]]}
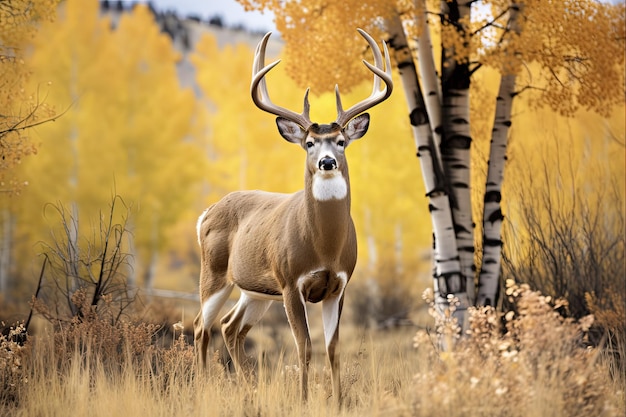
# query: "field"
{"points": [[544, 365]]}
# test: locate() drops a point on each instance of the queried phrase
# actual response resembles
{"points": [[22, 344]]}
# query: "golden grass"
{"points": [[164, 383], [541, 366]]}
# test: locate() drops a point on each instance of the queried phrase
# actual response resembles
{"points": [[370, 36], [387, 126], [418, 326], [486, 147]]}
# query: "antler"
{"points": [[377, 95], [261, 97]]}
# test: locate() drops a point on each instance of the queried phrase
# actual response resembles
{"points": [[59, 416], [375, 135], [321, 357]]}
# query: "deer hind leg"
{"points": [[236, 324], [209, 310]]}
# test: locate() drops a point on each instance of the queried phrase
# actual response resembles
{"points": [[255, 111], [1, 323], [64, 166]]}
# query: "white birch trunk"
{"points": [[455, 151], [73, 258], [5, 250], [456, 159], [151, 267], [446, 259], [489, 277], [430, 79], [488, 283], [150, 271]]}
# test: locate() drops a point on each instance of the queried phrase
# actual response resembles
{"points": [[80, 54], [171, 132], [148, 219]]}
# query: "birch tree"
{"points": [[567, 55]]}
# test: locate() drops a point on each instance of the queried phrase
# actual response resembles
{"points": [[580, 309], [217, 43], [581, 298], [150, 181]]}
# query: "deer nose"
{"points": [[327, 163]]}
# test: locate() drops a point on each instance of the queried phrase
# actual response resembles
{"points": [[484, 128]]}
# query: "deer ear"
{"points": [[291, 131], [357, 127]]}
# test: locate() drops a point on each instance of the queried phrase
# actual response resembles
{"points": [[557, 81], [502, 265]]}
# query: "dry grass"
{"points": [[541, 366]]}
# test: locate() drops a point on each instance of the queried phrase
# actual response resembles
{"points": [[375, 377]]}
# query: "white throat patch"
{"points": [[329, 187]]}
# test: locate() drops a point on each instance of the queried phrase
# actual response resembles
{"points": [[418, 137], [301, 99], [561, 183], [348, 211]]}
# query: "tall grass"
{"points": [[529, 362], [63, 379]]}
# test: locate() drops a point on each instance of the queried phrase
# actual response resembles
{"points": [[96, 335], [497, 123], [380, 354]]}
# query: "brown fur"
{"points": [[283, 246]]}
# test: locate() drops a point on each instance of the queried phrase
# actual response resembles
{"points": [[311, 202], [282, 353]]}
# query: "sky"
{"points": [[232, 13]]}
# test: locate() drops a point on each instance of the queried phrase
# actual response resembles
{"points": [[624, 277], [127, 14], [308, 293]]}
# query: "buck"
{"points": [[295, 248]]}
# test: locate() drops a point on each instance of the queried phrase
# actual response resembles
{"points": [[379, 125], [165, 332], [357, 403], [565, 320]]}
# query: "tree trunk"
{"points": [[489, 277], [455, 151], [73, 258], [447, 268], [5, 250], [150, 271]]}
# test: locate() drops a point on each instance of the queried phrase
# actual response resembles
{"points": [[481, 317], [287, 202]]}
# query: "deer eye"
{"points": [[310, 144], [341, 143]]}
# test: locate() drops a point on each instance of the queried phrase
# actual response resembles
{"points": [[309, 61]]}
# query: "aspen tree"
{"points": [[128, 129]]}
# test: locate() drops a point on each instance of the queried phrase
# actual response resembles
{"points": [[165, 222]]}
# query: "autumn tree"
{"points": [[565, 55], [21, 108], [128, 130]]}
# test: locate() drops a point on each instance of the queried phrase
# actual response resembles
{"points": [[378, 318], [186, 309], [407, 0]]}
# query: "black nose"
{"points": [[327, 163]]}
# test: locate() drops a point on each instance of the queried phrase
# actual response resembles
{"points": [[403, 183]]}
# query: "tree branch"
{"points": [[16, 127]]}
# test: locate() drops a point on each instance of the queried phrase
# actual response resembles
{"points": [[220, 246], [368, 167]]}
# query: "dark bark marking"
{"points": [[418, 117], [460, 229], [468, 249], [460, 121], [458, 142], [492, 196], [495, 216], [492, 242]]}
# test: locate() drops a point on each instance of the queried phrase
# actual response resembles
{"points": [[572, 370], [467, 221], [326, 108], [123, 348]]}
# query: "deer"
{"points": [[295, 248]]}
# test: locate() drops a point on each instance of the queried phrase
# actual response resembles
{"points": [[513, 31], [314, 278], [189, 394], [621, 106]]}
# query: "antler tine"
{"points": [[260, 95], [380, 73]]}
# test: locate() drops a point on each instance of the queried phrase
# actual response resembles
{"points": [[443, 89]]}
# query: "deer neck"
{"points": [[327, 201]]}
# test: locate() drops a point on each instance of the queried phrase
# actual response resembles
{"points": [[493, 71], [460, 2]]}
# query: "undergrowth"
{"points": [[531, 361]]}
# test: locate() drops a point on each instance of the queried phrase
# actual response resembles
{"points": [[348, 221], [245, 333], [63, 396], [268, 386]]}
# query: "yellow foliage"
{"points": [[20, 106], [128, 129], [578, 46]]}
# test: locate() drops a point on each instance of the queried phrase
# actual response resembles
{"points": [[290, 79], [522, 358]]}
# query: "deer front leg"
{"points": [[331, 314], [295, 308]]}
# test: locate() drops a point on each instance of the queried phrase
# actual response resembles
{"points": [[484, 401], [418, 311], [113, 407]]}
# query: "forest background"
{"points": [[126, 125], [120, 126]]}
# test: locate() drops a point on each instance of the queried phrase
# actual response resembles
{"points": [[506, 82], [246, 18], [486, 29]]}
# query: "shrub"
{"points": [[13, 353], [530, 361]]}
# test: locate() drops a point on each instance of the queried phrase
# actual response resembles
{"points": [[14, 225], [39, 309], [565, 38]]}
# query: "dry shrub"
{"points": [[87, 270], [569, 242], [98, 338], [13, 353], [528, 362]]}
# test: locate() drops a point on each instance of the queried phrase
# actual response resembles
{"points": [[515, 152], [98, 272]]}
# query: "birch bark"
{"points": [[489, 277], [455, 151], [446, 259]]}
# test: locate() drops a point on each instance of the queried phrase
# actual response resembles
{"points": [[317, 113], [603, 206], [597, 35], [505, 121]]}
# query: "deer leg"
{"points": [[236, 324], [295, 308], [211, 307], [331, 313]]}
